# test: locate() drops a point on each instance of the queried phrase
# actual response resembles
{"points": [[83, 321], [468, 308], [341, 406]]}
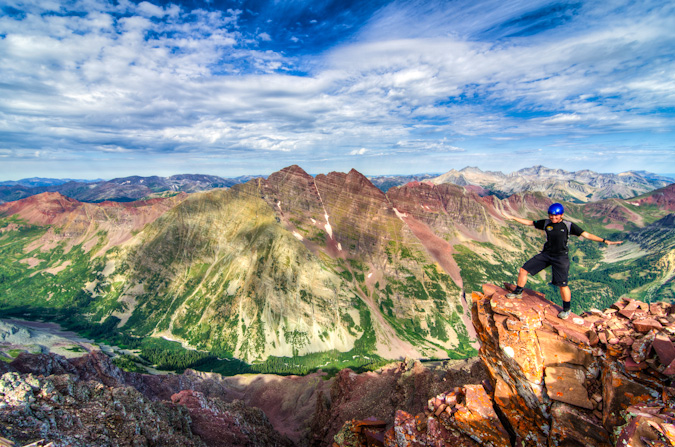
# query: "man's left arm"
{"points": [[592, 237]]}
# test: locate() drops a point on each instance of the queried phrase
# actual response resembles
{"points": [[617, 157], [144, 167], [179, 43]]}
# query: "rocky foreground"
{"points": [[88, 401], [603, 379]]}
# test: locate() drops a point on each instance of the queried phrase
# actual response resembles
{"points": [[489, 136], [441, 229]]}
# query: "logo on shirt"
{"points": [[549, 228]]}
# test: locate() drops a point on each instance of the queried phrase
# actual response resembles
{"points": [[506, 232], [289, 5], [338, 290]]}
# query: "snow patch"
{"points": [[298, 235], [339, 246], [399, 214], [313, 220], [369, 275]]}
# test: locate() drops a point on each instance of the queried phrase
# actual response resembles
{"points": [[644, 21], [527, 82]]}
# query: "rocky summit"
{"points": [[603, 378]]}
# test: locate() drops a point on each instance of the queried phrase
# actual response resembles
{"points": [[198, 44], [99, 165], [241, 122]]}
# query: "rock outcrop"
{"points": [[41, 395], [603, 378]]}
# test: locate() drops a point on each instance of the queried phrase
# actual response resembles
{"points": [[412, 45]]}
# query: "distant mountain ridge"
{"points": [[124, 189], [385, 182], [41, 181], [579, 186]]}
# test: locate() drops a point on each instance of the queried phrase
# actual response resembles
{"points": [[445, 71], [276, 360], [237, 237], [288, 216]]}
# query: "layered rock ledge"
{"points": [[602, 378]]}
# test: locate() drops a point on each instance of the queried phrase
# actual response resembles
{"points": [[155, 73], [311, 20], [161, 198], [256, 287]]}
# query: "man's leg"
{"points": [[520, 283], [566, 299], [566, 294], [533, 266], [522, 278]]}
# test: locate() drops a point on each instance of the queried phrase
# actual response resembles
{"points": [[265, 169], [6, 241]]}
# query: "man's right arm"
{"points": [[518, 219]]}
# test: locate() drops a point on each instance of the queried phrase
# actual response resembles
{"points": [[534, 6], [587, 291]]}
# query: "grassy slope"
{"points": [[197, 288]]}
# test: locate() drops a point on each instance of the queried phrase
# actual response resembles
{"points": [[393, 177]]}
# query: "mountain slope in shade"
{"points": [[294, 264], [580, 186]]}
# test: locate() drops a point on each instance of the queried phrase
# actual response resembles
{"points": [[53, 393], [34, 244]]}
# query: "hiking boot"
{"points": [[514, 295], [564, 314]]}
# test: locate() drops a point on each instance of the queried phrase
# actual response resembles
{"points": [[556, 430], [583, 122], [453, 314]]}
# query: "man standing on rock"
{"points": [[554, 253]]}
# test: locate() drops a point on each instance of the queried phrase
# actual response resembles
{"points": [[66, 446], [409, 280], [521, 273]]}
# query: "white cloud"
{"points": [[144, 77], [563, 118]]}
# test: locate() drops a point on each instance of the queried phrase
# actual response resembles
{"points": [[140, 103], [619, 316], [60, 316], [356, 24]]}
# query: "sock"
{"points": [[518, 289], [567, 305]]}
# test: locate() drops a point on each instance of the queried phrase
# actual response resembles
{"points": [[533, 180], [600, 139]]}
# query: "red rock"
{"points": [[451, 399], [593, 338], [646, 325], [573, 335], [664, 349], [670, 369], [627, 341], [619, 393], [619, 305], [644, 431], [621, 332], [641, 347], [405, 433], [632, 366], [478, 419], [658, 309], [557, 351], [570, 424], [643, 306], [566, 384], [628, 313]]}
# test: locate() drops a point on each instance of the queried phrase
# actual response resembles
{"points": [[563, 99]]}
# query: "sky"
{"points": [[100, 89]]}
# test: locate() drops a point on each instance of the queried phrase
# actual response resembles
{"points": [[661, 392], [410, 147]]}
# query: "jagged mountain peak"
{"points": [[295, 170]]}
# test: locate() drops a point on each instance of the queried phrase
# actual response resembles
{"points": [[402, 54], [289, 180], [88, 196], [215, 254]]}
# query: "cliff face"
{"points": [[603, 378]]}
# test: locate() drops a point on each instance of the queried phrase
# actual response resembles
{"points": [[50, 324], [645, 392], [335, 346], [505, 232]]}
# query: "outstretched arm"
{"points": [[518, 219], [592, 237]]}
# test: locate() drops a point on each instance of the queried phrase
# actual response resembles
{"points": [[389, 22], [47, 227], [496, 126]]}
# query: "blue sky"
{"points": [[99, 89]]}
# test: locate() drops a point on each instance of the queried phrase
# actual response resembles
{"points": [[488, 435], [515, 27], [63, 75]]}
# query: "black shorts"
{"points": [[560, 265]]}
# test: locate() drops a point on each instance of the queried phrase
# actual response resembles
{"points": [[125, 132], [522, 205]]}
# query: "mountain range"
{"points": [[579, 187], [327, 267], [124, 189]]}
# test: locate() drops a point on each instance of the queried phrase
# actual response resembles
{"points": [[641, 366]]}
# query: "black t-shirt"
{"points": [[556, 235]]}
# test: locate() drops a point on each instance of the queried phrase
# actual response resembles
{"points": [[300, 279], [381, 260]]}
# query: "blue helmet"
{"points": [[556, 209]]}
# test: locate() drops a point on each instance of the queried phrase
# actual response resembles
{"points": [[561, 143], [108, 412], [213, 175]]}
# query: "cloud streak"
{"points": [[167, 82]]}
